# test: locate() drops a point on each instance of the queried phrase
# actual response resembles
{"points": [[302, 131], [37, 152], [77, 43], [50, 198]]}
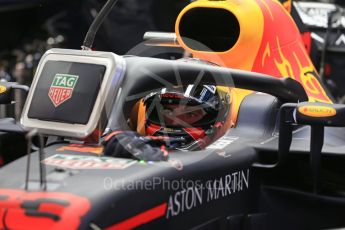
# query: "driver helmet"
{"points": [[191, 117]]}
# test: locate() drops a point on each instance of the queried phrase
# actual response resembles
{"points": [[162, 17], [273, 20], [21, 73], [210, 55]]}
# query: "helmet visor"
{"points": [[182, 115]]}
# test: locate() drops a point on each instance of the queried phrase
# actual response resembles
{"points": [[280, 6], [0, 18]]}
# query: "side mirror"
{"points": [[320, 114], [6, 93], [7, 89], [317, 115]]}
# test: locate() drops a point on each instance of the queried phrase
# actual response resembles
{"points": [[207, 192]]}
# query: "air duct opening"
{"points": [[214, 29]]}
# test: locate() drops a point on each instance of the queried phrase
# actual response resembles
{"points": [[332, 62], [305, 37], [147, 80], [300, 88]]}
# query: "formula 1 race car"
{"points": [[279, 166]]}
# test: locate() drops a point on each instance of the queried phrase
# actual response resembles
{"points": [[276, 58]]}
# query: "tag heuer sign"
{"points": [[62, 88]]}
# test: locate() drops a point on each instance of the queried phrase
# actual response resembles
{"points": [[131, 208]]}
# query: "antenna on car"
{"points": [[42, 169], [90, 36]]}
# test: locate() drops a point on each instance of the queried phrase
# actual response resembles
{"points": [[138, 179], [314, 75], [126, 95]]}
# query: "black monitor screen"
{"points": [[66, 92]]}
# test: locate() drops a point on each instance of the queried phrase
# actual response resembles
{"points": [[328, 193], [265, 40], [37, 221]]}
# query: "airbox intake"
{"points": [[209, 29]]}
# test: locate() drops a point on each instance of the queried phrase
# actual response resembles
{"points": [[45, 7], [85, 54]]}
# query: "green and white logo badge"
{"points": [[62, 88]]}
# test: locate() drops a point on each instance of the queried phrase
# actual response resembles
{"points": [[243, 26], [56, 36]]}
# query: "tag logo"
{"points": [[317, 111], [2, 89], [62, 88]]}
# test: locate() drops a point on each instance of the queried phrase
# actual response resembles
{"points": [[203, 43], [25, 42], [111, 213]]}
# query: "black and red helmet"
{"points": [[190, 116]]}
